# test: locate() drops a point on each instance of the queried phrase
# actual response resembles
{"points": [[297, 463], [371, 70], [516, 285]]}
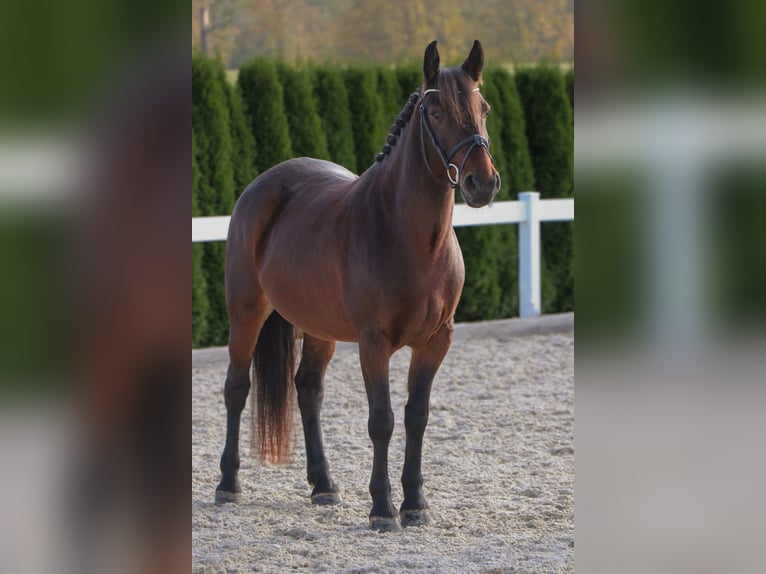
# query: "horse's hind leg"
{"points": [[309, 381], [246, 323], [423, 366]]}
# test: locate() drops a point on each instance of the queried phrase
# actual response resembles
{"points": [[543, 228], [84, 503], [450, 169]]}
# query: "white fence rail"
{"points": [[529, 212]]}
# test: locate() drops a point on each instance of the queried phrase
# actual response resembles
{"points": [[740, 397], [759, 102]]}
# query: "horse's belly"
{"points": [[309, 301]]}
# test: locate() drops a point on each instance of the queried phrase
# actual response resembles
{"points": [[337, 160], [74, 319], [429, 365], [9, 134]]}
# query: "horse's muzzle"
{"points": [[478, 192]]}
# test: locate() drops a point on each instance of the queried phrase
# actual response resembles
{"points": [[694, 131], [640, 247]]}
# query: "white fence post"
{"points": [[529, 255]]}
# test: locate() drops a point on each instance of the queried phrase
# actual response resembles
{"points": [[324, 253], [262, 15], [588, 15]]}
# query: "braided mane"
{"points": [[396, 129]]}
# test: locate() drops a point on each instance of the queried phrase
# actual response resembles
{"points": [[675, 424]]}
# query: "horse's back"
{"points": [[269, 195], [283, 182], [300, 172]]}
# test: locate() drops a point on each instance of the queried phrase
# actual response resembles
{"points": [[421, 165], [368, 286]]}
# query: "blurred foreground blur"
{"points": [[670, 150], [94, 298], [671, 313]]}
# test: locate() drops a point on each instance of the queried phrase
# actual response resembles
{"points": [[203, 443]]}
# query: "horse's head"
{"points": [[453, 113]]}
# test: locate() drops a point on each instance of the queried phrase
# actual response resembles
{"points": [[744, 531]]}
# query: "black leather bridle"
{"points": [[472, 142]]}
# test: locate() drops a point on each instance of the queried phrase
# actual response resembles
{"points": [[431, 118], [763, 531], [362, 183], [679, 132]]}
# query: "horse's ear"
{"points": [[430, 64], [474, 63]]}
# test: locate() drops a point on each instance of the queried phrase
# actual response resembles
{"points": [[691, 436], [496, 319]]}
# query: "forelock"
{"points": [[455, 87]]}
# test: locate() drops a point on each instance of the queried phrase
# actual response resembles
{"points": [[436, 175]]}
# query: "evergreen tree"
{"points": [[518, 174], [495, 125], [410, 77], [366, 113], [212, 134], [200, 303], [481, 296], [548, 117], [390, 96], [306, 135], [210, 122], [265, 111], [243, 142], [569, 78], [332, 105]]}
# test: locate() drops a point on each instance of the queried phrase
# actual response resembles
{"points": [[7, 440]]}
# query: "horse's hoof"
{"points": [[415, 517], [382, 524], [224, 496], [325, 498]]}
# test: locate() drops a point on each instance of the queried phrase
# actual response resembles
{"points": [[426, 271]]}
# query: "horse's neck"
{"points": [[419, 205]]}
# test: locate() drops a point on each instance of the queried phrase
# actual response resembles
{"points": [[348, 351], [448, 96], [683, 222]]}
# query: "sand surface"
{"points": [[498, 464]]}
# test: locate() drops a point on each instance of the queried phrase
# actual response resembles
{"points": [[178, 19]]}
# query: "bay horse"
{"points": [[371, 259]]}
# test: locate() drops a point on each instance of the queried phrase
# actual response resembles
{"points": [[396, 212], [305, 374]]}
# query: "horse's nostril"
{"points": [[469, 183]]}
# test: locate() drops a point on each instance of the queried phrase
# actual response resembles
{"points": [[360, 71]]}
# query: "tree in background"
{"points": [[215, 189], [306, 136], [390, 96], [569, 78], [200, 303], [377, 30], [548, 116], [366, 113], [215, 23], [410, 77], [243, 143], [210, 123], [332, 105], [265, 111], [518, 175], [495, 127], [481, 292]]}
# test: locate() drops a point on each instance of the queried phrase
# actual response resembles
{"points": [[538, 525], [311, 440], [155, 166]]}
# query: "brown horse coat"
{"points": [[354, 253], [372, 259]]}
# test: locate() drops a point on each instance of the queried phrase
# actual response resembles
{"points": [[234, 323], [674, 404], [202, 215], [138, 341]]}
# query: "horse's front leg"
{"points": [[374, 354], [423, 366]]}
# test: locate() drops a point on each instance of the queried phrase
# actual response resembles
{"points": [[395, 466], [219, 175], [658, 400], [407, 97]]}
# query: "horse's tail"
{"points": [[274, 374]]}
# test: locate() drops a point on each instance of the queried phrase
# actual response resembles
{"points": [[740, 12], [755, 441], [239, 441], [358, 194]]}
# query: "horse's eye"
{"points": [[436, 115], [487, 113]]}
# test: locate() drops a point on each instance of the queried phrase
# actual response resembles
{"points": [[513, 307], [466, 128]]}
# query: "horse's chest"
{"points": [[401, 292], [424, 302], [430, 288]]}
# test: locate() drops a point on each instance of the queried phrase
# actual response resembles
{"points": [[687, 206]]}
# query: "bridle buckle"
{"points": [[453, 180]]}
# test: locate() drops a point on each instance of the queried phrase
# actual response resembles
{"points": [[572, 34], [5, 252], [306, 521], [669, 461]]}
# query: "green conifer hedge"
{"points": [[243, 143], [366, 113], [391, 99], [200, 303], [332, 105], [569, 78], [215, 190], [263, 97], [306, 136], [410, 77]]}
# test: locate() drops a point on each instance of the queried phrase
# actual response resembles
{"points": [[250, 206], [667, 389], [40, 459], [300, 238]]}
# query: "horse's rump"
{"points": [[292, 223]]}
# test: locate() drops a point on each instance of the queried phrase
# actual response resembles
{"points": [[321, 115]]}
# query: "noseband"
{"points": [[453, 171]]}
